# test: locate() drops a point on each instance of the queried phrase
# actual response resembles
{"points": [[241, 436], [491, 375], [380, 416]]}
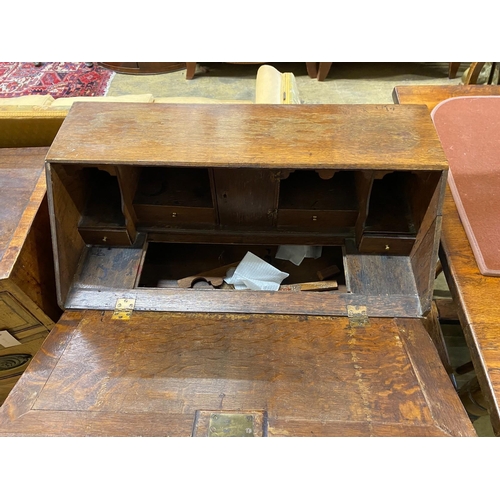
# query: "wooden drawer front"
{"points": [[314, 220], [14, 360], [386, 245], [166, 216], [107, 237], [15, 318]]}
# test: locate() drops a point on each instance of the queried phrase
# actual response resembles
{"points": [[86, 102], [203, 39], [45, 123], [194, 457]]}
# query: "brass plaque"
{"points": [[230, 424]]}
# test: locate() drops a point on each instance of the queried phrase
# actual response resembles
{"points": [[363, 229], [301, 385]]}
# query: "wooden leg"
{"points": [[492, 72], [312, 69], [453, 70], [431, 324], [473, 74], [190, 70], [324, 68]]}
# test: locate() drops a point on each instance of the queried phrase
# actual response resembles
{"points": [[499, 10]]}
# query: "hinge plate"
{"points": [[358, 317], [123, 309]]}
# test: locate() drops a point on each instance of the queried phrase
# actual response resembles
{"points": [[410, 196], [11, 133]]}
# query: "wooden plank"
{"points": [[312, 376], [247, 197], [380, 275], [244, 301], [263, 136], [110, 267], [450, 413]]}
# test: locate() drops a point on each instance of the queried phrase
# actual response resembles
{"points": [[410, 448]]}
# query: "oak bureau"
{"points": [[144, 196]]}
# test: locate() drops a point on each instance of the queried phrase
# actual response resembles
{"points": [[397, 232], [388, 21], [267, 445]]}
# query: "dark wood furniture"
{"points": [[28, 307], [144, 194], [476, 296], [314, 69], [318, 70], [453, 69], [143, 68]]}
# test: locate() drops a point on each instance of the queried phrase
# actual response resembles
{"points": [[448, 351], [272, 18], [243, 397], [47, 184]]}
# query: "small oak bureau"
{"points": [[143, 197]]}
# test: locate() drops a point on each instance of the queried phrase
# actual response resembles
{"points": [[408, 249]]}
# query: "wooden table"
{"points": [[477, 296], [432, 95]]}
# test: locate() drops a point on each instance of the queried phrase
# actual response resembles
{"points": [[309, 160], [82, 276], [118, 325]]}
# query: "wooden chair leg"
{"points": [[473, 74], [323, 69], [492, 73], [453, 69], [190, 70], [312, 69]]}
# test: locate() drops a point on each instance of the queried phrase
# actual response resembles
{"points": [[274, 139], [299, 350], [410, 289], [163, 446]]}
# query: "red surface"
{"points": [[469, 130]]}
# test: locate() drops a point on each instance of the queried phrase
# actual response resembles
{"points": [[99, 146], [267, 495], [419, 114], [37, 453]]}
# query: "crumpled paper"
{"points": [[297, 253], [253, 273]]}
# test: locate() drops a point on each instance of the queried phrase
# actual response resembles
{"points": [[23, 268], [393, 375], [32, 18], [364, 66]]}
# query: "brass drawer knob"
{"points": [[314, 217], [174, 214]]}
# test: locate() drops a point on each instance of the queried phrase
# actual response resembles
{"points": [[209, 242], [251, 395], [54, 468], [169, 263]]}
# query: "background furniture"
{"points": [[475, 295], [143, 68], [33, 121], [28, 308], [319, 70]]}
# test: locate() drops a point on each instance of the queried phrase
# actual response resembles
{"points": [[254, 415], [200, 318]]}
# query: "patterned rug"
{"points": [[59, 79]]}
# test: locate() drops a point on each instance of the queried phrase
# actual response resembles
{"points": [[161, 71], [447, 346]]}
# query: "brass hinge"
{"points": [[358, 316], [123, 309]]}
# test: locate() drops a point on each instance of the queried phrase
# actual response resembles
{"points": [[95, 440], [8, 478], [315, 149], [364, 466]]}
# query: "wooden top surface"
{"points": [[314, 136], [469, 129], [432, 95], [22, 188], [314, 376]]}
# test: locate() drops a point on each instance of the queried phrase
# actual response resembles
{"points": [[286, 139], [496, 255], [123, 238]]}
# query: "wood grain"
{"points": [[477, 298], [264, 136], [313, 376]]}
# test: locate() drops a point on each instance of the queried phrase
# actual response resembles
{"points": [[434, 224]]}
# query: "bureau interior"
{"points": [[116, 203], [119, 222], [165, 264]]}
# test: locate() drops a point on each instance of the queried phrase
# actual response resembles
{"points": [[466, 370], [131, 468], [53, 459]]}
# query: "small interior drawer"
{"points": [[386, 245], [168, 216], [316, 220], [105, 236]]}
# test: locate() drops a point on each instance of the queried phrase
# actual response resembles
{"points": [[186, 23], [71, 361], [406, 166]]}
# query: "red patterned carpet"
{"points": [[59, 79]]}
